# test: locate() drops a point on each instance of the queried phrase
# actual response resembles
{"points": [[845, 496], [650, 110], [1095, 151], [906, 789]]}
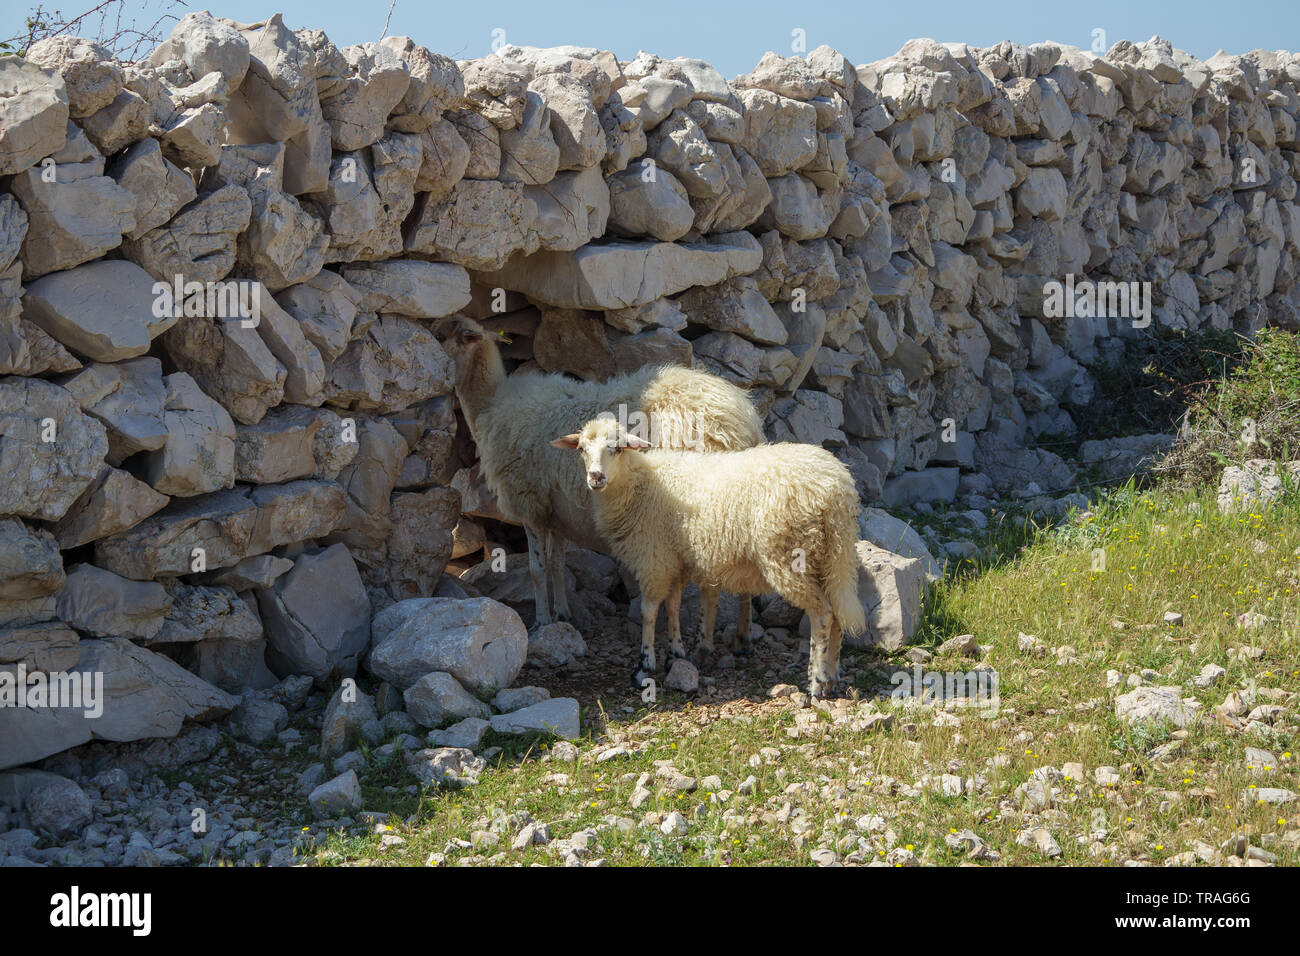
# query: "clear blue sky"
{"points": [[732, 36]]}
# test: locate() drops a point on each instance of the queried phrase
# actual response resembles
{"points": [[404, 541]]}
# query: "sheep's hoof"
{"points": [[830, 690], [643, 676], [742, 648], [821, 690], [702, 654]]}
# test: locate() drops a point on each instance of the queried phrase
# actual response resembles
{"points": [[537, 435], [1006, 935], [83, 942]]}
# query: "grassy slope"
{"points": [[825, 782]]}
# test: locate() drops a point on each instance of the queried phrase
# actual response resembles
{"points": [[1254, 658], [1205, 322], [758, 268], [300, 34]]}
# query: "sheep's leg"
{"points": [[649, 610], [741, 642], [814, 656], [833, 652], [675, 649], [708, 616], [537, 571], [555, 548], [821, 670]]}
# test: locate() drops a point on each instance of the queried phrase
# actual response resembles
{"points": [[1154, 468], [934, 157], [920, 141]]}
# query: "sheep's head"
{"points": [[459, 337], [600, 443]]}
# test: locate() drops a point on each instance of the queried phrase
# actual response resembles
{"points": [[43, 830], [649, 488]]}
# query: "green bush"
{"points": [[1162, 373], [1268, 385], [1253, 412]]}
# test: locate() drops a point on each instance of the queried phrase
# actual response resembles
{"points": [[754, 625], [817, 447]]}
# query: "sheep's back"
{"points": [[767, 499], [697, 410]]}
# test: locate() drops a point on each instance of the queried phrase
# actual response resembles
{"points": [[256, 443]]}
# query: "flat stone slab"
{"points": [[557, 716], [623, 275]]}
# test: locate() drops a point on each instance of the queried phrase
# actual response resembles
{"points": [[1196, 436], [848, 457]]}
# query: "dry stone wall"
{"points": [[228, 434]]}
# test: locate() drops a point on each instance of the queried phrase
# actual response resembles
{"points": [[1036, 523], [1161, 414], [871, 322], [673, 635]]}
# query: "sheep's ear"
{"points": [[566, 441], [635, 443]]}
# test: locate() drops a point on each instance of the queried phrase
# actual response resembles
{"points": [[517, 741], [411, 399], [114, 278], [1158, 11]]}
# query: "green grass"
{"points": [[1100, 583], [1164, 550]]}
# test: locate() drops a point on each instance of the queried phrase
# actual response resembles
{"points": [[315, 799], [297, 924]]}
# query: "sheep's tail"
{"points": [[842, 568]]}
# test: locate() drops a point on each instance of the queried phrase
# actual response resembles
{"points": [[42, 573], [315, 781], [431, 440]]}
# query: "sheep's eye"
{"points": [[614, 449]]}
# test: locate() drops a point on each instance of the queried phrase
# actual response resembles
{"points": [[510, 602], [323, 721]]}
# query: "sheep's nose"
{"points": [[596, 479]]}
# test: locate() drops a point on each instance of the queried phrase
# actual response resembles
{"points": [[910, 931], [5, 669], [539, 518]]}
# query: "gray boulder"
{"points": [[893, 534], [1255, 483], [101, 603], [438, 698], [199, 242], [59, 807], [446, 766], [144, 695], [102, 310], [559, 716], [198, 455], [115, 501], [204, 613], [91, 76], [128, 397], [160, 187], [50, 451], [1154, 705], [33, 113], [258, 721], [555, 645], [336, 797], [205, 45], [480, 642], [891, 588], [30, 564], [317, 616], [422, 290], [466, 734], [346, 715], [77, 215]]}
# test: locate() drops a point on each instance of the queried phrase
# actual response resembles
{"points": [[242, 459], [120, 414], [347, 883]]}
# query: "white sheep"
{"points": [[512, 420], [780, 518]]}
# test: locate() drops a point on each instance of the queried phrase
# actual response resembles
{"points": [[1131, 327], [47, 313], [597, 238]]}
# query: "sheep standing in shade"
{"points": [[513, 419], [780, 518]]}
